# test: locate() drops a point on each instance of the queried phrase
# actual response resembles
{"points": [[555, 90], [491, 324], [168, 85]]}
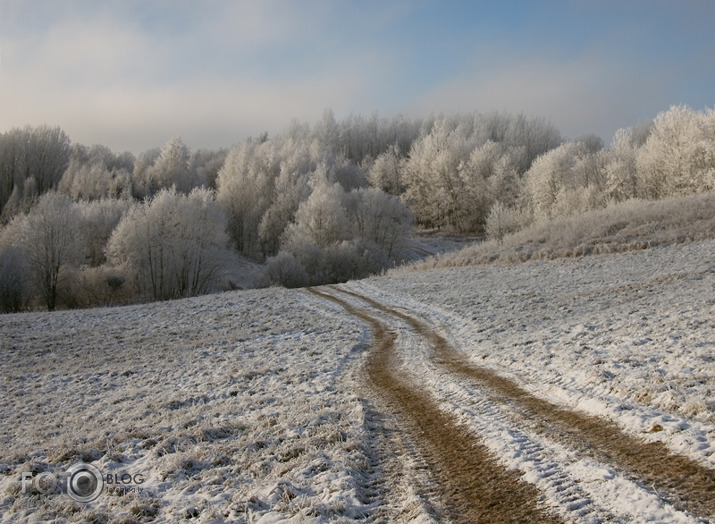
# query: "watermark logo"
{"points": [[82, 482]]}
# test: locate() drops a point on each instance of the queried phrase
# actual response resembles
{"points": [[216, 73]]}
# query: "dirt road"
{"points": [[474, 486]]}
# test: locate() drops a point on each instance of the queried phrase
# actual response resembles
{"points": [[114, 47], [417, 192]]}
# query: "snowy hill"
{"points": [[258, 405]]}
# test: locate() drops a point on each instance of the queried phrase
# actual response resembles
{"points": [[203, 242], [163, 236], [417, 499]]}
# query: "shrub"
{"points": [[635, 224], [174, 244], [285, 270], [504, 220]]}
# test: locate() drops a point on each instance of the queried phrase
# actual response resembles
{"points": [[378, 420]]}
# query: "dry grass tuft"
{"points": [[627, 226]]}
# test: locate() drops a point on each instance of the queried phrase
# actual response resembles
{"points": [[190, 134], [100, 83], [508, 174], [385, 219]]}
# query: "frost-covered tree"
{"points": [[548, 175], [484, 173], [143, 183], [678, 158], [505, 185], [318, 242], [286, 270], [96, 172], [12, 168], [263, 182], [621, 171], [290, 189], [386, 172], [453, 169], [381, 219], [173, 167], [32, 162], [566, 180], [245, 190], [526, 138], [338, 235], [206, 164], [321, 220], [173, 245], [97, 221], [51, 242], [348, 175], [47, 156], [590, 143], [435, 188], [327, 132]]}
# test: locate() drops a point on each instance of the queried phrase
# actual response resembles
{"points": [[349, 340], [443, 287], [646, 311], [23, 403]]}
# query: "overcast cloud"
{"points": [[131, 75]]}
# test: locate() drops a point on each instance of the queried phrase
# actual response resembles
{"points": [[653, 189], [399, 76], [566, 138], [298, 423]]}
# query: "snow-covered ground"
{"points": [[235, 406], [250, 406], [630, 337]]}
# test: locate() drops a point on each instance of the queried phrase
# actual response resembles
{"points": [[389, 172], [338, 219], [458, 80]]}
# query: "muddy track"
{"points": [[678, 480], [472, 485]]}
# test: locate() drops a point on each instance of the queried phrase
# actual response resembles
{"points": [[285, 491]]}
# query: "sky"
{"points": [[131, 74]]}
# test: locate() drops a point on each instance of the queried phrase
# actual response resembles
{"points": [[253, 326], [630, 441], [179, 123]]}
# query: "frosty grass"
{"points": [[250, 406]]}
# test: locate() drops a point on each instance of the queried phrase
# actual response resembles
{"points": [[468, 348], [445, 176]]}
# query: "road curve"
{"points": [[677, 481], [473, 486]]}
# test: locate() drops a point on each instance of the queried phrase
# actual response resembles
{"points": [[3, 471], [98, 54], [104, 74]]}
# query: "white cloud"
{"points": [[130, 74], [106, 81], [206, 112], [579, 96]]}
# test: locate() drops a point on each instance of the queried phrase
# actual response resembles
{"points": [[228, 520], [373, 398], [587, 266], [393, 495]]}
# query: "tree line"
{"points": [[317, 203]]}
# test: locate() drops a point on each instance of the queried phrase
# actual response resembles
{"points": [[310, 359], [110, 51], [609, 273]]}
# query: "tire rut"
{"points": [[472, 485], [677, 480]]}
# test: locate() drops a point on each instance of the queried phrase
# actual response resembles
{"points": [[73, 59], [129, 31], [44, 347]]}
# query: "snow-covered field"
{"points": [[233, 406], [630, 337], [251, 406]]}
